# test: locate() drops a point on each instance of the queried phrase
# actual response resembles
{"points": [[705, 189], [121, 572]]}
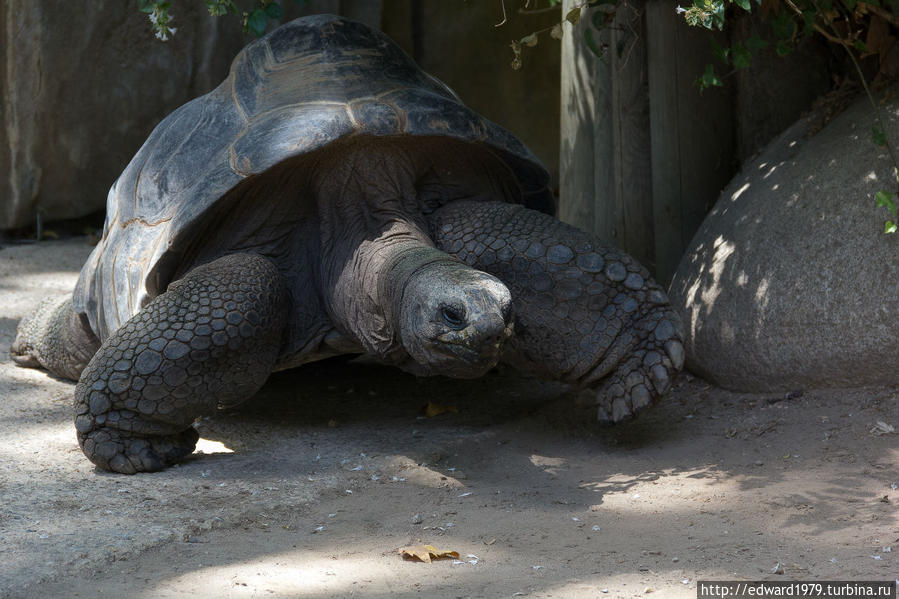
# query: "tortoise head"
{"points": [[453, 320]]}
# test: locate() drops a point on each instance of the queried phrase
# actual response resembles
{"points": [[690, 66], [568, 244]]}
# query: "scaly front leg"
{"points": [[585, 313], [209, 341]]}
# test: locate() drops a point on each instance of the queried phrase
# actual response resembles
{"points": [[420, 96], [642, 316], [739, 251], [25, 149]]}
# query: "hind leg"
{"points": [[54, 337], [584, 313], [210, 341]]}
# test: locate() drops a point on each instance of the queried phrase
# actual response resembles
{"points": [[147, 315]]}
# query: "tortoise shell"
{"points": [[303, 86]]}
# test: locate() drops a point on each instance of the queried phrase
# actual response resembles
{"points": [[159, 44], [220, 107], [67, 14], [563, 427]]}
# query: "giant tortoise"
{"points": [[328, 198]]}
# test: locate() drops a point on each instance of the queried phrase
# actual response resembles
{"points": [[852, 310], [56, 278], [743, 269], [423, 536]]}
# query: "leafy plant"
{"points": [[600, 19], [861, 28], [255, 20]]}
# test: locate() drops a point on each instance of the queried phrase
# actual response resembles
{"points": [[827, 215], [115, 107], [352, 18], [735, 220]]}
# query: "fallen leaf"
{"points": [[425, 553], [436, 409]]}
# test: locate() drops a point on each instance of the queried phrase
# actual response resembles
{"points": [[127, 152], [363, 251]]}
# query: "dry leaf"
{"points": [[425, 553], [529, 40], [556, 31], [436, 409]]}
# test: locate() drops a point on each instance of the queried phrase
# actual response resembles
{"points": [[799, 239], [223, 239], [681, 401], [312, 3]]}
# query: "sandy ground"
{"points": [[309, 489]]}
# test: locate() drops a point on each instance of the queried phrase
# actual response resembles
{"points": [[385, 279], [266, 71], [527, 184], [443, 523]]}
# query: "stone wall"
{"points": [[83, 84]]}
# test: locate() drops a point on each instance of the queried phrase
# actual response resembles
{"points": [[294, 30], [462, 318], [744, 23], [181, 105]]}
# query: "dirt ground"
{"points": [[309, 489]]}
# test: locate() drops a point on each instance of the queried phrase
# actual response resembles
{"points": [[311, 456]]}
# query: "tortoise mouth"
{"points": [[459, 361]]}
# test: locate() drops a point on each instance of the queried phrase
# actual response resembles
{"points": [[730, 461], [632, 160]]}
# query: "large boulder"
{"points": [[790, 282]]}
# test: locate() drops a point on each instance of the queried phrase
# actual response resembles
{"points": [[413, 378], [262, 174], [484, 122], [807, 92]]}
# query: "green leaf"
{"points": [[808, 21], [718, 8], [879, 136], [273, 10], [890, 227], [257, 21], [742, 57], [860, 46], [783, 48], [755, 43], [721, 53], [744, 4], [885, 199], [783, 26], [591, 43], [709, 78]]}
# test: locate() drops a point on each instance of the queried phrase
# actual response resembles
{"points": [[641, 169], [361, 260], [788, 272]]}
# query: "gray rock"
{"points": [[86, 82], [791, 282], [83, 85]]}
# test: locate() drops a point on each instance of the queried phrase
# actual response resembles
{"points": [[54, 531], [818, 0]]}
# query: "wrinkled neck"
{"points": [[366, 291], [372, 234]]}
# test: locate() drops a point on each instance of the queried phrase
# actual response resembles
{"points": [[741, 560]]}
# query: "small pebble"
{"points": [[416, 519]]}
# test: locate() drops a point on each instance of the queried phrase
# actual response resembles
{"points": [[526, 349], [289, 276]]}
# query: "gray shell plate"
{"points": [[308, 83]]}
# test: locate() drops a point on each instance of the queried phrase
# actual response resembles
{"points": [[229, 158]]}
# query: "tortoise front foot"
{"points": [[644, 372], [210, 341], [585, 313]]}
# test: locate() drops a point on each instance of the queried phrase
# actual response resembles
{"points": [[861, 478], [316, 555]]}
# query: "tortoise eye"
{"points": [[452, 317]]}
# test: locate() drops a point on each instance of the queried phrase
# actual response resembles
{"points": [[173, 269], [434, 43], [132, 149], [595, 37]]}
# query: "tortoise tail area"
{"points": [[56, 338]]}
